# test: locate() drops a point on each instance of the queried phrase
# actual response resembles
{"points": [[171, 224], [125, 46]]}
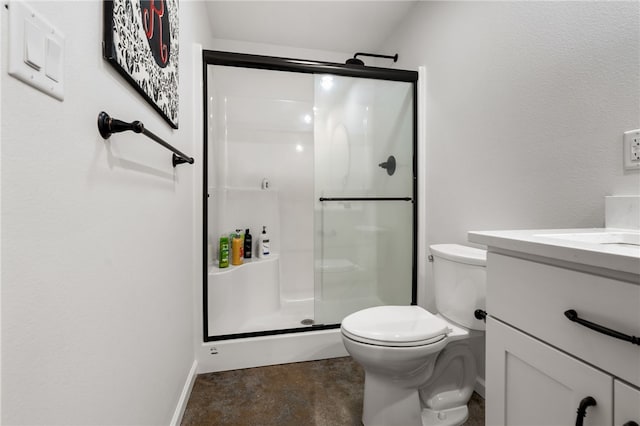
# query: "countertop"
{"points": [[623, 258]]}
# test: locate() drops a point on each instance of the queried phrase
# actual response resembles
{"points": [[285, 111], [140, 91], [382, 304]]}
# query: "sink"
{"points": [[624, 237]]}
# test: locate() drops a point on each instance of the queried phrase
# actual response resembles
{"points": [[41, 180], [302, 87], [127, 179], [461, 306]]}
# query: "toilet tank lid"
{"points": [[460, 253]]}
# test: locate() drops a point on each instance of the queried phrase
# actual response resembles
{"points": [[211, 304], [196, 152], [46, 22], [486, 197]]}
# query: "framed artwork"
{"points": [[141, 42]]}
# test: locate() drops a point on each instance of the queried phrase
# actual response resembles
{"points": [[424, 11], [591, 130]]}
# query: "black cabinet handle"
{"points": [[630, 423], [573, 316], [586, 402]]}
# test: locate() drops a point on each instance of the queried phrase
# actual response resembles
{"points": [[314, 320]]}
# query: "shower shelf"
{"points": [[215, 270]]}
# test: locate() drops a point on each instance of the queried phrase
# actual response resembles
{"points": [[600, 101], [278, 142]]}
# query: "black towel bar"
{"points": [[108, 125]]}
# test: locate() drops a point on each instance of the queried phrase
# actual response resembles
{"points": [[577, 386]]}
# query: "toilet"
{"points": [[419, 369]]}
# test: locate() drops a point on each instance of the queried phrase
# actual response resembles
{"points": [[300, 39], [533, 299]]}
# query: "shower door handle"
{"points": [[365, 199]]}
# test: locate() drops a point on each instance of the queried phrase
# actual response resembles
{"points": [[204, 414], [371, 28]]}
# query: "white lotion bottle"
{"points": [[263, 244]]}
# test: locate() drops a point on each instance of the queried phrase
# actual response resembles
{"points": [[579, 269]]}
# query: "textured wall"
{"points": [[525, 109], [97, 307]]}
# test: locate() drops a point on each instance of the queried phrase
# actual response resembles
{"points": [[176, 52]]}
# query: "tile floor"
{"points": [[314, 393]]}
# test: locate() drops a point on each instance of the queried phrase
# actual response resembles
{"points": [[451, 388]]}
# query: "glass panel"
{"points": [[363, 249], [363, 257], [260, 173], [359, 123]]}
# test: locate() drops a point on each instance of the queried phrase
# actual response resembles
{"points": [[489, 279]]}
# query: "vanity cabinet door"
{"points": [[531, 383], [626, 402]]}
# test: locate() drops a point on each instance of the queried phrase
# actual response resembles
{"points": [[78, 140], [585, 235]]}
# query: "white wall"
{"points": [[278, 51], [526, 105], [97, 312]]}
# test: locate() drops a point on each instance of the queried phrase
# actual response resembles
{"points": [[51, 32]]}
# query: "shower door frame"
{"points": [[215, 57]]}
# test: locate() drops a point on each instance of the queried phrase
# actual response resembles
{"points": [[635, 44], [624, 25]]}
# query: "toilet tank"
{"points": [[460, 280]]}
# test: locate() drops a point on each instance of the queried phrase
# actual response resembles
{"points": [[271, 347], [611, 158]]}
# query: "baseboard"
{"points": [[184, 396]]}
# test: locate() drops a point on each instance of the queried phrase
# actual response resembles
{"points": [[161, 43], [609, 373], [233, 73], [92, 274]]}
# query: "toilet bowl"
{"points": [[419, 368]]}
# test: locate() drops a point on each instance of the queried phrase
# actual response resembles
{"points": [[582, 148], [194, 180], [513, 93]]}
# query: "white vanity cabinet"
{"points": [[626, 404], [531, 383], [540, 364]]}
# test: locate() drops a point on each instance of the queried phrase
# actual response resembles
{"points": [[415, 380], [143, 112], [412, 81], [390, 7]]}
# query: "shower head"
{"points": [[359, 62]]}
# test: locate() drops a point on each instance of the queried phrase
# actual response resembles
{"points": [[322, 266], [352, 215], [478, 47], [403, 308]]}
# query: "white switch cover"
{"points": [[36, 50], [33, 46], [631, 149], [53, 61]]}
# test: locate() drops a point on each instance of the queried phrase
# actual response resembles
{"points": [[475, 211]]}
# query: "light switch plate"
{"points": [[30, 55], [53, 60], [631, 149], [33, 46]]}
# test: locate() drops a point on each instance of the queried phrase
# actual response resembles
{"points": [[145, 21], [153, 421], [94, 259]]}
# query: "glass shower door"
{"points": [[364, 195], [260, 174]]}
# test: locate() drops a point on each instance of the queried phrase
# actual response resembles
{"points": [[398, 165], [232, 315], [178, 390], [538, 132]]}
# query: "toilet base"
{"points": [[386, 404], [450, 417]]}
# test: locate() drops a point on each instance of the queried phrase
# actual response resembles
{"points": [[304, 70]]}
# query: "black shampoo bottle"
{"points": [[247, 244]]}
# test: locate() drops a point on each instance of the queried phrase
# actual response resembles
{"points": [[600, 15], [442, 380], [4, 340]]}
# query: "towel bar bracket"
{"points": [[176, 159]]}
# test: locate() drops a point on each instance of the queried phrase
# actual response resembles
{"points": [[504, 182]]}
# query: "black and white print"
{"points": [[141, 41]]}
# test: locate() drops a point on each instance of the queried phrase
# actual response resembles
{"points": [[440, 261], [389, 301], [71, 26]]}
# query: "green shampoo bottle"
{"points": [[224, 252]]}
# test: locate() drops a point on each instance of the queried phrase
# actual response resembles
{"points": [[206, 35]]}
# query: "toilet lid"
{"points": [[395, 326]]}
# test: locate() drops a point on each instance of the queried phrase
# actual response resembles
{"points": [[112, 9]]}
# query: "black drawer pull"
{"points": [[586, 402], [573, 316], [630, 423]]}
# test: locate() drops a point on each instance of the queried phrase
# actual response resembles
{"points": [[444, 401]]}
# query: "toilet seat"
{"points": [[375, 342], [395, 326]]}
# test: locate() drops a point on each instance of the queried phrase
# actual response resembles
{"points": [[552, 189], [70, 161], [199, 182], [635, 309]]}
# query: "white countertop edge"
{"points": [[529, 241]]}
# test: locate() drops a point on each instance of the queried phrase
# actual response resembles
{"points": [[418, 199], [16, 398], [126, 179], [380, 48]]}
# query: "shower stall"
{"points": [[322, 156]]}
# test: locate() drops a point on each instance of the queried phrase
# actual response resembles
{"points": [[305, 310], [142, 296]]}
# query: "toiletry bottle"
{"points": [[236, 249], [247, 244], [241, 235], [233, 235], [263, 243], [224, 252]]}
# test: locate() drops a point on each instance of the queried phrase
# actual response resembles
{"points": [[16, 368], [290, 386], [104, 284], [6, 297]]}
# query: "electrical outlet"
{"points": [[635, 149], [631, 149]]}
